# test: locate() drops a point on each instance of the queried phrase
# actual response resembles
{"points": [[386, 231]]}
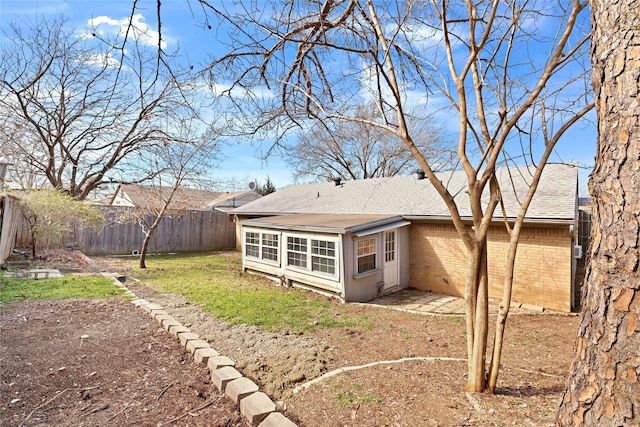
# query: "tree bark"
{"points": [[477, 314], [143, 250], [603, 387], [149, 233]]}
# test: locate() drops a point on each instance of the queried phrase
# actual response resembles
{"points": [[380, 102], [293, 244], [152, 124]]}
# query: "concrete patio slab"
{"points": [[424, 302]]}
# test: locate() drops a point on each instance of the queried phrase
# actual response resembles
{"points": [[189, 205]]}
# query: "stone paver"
{"points": [[417, 301], [218, 362], [185, 337], [175, 330], [221, 377], [36, 273], [168, 323], [202, 355], [256, 407], [276, 419], [162, 317], [412, 306], [150, 306], [193, 345], [240, 388], [160, 312]]}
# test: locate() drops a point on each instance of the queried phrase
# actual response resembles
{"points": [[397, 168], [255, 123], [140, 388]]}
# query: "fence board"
{"points": [[189, 231]]}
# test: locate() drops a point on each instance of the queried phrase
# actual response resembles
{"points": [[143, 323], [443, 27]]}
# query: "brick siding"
{"points": [[543, 271]]}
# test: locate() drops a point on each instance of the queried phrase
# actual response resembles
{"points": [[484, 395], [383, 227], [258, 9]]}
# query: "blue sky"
{"points": [[183, 27]]}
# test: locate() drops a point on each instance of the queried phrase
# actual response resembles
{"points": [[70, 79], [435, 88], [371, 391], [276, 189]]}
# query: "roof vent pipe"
{"points": [[337, 181], [419, 174]]}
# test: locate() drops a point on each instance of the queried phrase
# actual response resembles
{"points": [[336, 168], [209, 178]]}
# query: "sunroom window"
{"points": [[252, 244], [263, 246], [323, 256], [316, 255], [297, 252], [270, 246]]}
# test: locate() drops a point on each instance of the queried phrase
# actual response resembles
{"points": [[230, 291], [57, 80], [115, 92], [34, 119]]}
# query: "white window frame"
{"points": [[323, 254], [298, 250], [267, 246], [263, 246], [358, 256], [253, 244], [310, 255]]}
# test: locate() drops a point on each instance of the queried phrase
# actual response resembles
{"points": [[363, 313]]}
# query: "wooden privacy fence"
{"points": [[188, 231]]}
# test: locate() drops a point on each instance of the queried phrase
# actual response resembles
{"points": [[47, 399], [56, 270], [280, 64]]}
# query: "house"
{"points": [[133, 195], [364, 238]]}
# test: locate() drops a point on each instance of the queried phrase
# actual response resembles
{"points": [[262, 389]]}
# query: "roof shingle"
{"points": [[555, 198]]}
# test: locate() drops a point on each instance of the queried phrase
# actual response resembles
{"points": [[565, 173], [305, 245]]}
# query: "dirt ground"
{"points": [[407, 370]]}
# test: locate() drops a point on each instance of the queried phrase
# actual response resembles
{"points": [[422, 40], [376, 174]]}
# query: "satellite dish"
{"points": [[252, 185]]}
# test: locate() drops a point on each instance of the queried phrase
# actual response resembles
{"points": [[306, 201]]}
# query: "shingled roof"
{"points": [[183, 199], [409, 196]]}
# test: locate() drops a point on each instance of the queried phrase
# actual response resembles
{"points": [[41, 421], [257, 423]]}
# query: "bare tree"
{"points": [[356, 150], [511, 74], [603, 388], [76, 106], [175, 165]]}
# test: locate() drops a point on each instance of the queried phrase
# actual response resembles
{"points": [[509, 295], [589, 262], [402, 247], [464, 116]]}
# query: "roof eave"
{"points": [[467, 219], [321, 228], [261, 213]]}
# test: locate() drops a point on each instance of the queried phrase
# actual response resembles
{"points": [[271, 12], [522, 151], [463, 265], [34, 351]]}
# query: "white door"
{"points": [[390, 260]]}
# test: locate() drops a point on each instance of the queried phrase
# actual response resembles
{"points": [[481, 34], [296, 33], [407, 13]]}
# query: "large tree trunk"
{"points": [[603, 387], [477, 316]]}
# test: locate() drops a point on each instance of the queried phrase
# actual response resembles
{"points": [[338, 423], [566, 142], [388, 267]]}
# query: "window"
{"points": [[389, 246], [314, 255], [366, 254], [323, 258], [297, 252], [252, 244], [270, 246], [263, 246]]}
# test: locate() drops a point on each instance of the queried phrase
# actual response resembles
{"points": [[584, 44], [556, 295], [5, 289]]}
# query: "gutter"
{"points": [[256, 222], [469, 220]]}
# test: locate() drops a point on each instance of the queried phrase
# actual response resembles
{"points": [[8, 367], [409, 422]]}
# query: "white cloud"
{"points": [[131, 26]]}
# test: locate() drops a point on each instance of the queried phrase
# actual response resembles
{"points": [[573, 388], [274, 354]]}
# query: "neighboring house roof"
{"points": [[230, 200], [555, 199], [184, 198]]}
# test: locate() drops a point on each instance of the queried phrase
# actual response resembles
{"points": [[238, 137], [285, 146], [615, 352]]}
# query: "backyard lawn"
{"points": [[328, 363]]}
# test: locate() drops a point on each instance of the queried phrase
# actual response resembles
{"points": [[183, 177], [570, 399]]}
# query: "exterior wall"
{"points": [[239, 235], [368, 286], [544, 264], [404, 257], [365, 287]]}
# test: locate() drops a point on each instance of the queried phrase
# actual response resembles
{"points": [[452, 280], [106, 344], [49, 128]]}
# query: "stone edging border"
{"points": [[254, 405]]}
